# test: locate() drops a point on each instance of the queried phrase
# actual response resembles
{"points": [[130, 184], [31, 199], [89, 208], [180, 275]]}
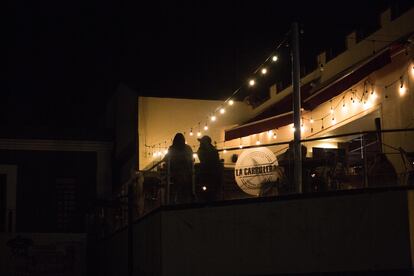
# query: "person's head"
{"points": [[179, 140], [205, 140]]}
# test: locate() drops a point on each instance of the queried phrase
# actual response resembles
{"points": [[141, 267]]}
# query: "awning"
{"points": [[259, 126], [345, 80], [280, 113]]}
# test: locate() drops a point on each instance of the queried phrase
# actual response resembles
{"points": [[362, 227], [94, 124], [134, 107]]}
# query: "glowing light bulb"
{"points": [[198, 134], [333, 120], [270, 133], [191, 132], [213, 118], [264, 71], [274, 58], [402, 90], [241, 146], [374, 95], [194, 155], [311, 120], [274, 136], [293, 129], [222, 111], [224, 151], [205, 127], [252, 82], [231, 102], [331, 110], [258, 142], [204, 188]]}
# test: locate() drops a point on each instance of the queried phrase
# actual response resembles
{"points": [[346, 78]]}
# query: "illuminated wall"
{"points": [[161, 118]]}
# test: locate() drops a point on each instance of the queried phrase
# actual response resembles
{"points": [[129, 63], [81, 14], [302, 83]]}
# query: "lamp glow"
{"points": [[222, 111], [402, 90], [231, 102], [252, 82], [274, 58], [205, 127], [213, 118], [264, 71]]}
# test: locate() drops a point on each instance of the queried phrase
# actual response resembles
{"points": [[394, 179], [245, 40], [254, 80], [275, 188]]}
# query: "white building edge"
{"points": [[373, 78]]}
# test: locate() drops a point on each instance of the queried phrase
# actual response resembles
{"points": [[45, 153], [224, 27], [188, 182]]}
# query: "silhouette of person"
{"points": [[180, 158], [210, 169]]}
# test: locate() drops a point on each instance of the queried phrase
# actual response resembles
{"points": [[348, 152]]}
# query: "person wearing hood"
{"points": [[210, 169]]}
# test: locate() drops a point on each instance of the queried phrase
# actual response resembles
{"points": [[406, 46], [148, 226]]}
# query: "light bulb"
{"points": [[274, 136], [331, 111], [270, 133], [257, 142], [204, 188], [402, 90], [231, 102], [191, 132], [213, 118], [194, 155], [198, 134], [264, 71], [311, 120], [205, 127], [274, 58], [252, 82], [224, 151], [241, 146], [222, 111]]}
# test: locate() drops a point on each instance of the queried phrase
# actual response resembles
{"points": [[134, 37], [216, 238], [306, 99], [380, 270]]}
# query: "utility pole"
{"points": [[297, 154]]}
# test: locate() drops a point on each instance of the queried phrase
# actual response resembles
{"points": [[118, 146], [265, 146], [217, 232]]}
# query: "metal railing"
{"points": [[347, 161]]}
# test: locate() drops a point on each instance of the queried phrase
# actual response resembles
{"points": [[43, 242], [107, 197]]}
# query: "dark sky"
{"points": [[65, 58]]}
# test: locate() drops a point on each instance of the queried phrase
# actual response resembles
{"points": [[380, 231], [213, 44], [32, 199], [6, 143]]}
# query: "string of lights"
{"points": [[263, 68], [352, 97]]}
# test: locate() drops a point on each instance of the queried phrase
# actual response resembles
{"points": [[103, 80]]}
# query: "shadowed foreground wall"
{"points": [[353, 231]]}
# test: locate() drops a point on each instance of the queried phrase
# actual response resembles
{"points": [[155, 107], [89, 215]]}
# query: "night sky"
{"points": [[65, 59]]}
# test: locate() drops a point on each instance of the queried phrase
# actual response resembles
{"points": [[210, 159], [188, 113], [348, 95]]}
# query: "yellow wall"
{"points": [[161, 118]]}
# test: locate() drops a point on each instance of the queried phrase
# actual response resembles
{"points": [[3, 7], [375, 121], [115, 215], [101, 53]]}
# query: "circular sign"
{"points": [[255, 167]]}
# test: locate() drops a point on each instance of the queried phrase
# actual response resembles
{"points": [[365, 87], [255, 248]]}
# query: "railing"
{"points": [[332, 163]]}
